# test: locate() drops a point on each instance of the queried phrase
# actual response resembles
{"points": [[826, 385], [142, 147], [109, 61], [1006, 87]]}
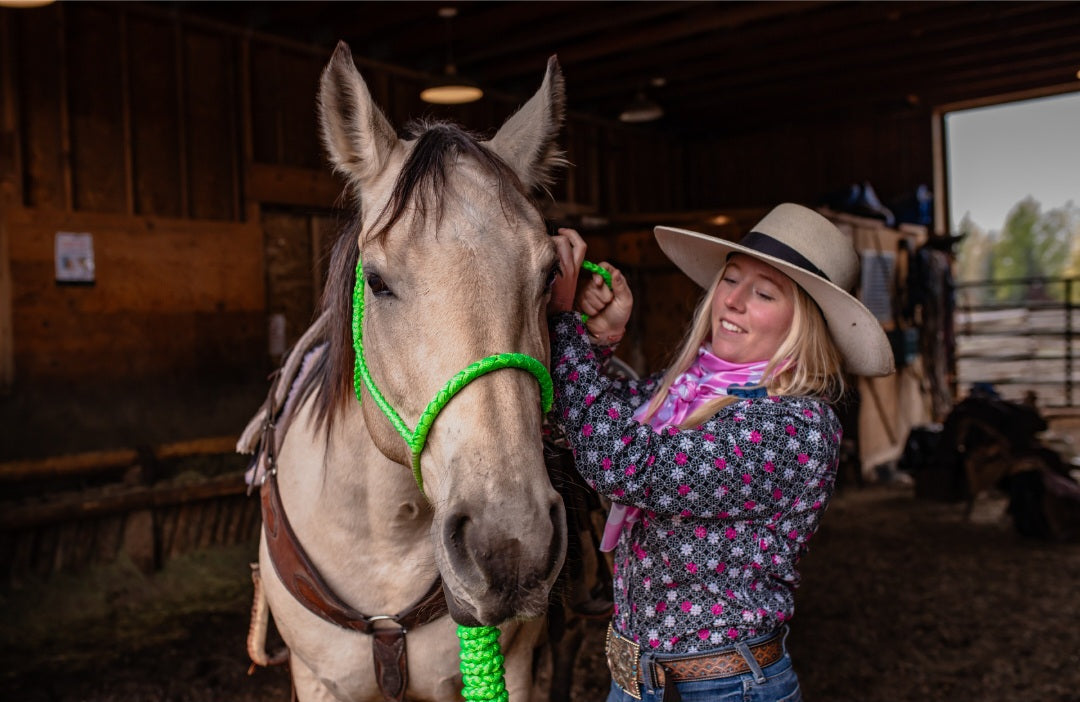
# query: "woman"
{"points": [[720, 468]]}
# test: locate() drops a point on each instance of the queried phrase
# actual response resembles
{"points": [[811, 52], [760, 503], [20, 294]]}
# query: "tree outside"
{"points": [[1033, 246]]}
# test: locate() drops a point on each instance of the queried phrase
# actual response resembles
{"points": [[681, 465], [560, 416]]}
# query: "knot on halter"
{"points": [[418, 438]]}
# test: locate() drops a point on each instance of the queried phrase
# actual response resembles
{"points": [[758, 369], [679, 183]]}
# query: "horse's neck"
{"points": [[360, 516]]}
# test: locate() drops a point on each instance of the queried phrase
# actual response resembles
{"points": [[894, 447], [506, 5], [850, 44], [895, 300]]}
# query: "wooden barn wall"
{"points": [[184, 148], [803, 162], [177, 128]]}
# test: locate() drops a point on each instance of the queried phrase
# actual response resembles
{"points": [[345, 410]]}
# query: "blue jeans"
{"points": [[776, 682]]}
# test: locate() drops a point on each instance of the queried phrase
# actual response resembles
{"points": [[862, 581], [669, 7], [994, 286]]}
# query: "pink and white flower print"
{"points": [[727, 508]]}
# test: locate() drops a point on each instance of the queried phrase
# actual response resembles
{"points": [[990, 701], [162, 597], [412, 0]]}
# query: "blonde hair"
{"points": [[807, 361]]}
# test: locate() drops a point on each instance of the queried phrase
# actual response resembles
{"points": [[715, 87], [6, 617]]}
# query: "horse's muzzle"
{"points": [[493, 570]]}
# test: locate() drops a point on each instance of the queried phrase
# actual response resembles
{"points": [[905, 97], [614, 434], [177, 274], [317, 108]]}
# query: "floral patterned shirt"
{"points": [[728, 507]]}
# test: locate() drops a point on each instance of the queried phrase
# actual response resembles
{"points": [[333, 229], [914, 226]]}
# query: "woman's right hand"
{"points": [[570, 249], [608, 308]]}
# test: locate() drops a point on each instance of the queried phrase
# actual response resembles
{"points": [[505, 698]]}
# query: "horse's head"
{"points": [[457, 267]]}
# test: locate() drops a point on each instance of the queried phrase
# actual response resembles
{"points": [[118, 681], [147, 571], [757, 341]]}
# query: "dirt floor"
{"points": [[902, 599]]}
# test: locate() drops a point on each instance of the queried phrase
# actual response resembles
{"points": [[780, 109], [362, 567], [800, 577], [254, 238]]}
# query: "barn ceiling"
{"points": [[711, 65]]}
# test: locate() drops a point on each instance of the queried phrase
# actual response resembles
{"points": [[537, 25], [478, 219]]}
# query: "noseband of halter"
{"points": [[418, 438]]}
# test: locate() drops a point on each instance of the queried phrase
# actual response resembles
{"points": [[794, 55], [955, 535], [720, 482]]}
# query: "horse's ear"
{"points": [[527, 140], [357, 136]]}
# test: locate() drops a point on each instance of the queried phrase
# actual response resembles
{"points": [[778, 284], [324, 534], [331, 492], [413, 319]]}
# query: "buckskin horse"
{"points": [[358, 555]]}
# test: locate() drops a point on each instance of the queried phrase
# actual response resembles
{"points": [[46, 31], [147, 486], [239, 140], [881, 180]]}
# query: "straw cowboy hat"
{"points": [[811, 251]]}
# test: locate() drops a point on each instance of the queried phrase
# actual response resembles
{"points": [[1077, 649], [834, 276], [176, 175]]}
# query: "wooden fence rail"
{"points": [[1021, 347], [52, 530]]}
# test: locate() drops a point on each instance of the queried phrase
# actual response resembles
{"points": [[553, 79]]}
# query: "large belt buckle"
{"points": [[623, 658]]}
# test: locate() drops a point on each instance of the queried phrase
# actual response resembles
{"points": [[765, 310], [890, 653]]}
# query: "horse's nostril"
{"points": [[455, 531]]}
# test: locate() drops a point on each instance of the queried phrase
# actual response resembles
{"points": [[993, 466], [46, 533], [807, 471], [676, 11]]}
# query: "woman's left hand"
{"points": [[570, 248]]}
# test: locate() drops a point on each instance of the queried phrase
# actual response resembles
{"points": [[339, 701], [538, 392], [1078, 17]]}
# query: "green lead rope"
{"points": [[602, 272]]}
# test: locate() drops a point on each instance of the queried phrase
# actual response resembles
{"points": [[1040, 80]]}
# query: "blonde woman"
{"points": [[720, 468]]}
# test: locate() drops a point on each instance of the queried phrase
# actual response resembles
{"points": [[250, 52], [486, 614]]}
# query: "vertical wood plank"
{"points": [[247, 136], [211, 143], [95, 108], [181, 117], [235, 138], [279, 109], [65, 111], [11, 179], [125, 110], [154, 114]]}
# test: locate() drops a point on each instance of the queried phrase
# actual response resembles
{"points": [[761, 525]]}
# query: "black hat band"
{"points": [[765, 244]]}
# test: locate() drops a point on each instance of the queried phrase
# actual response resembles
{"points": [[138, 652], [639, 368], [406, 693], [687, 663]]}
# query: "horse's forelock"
{"points": [[422, 181], [420, 186]]}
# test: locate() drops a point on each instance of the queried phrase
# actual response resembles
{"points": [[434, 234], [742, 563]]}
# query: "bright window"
{"points": [[1012, 173]]}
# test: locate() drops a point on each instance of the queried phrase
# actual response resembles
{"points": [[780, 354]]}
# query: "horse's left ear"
{"points": [[358, 138], [527, 140]]}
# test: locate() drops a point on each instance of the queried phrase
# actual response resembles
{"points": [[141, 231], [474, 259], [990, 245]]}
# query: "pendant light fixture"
{"points": [[641, 108], [450, 89]]}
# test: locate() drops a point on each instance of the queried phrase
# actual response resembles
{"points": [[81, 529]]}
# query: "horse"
{"points": [[455, 265]]}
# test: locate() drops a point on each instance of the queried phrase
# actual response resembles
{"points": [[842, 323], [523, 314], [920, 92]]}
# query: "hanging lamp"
{"points": [[450, 88]]}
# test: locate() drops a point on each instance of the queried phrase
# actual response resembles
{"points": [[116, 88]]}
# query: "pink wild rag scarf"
{"points": [[707, 378]]}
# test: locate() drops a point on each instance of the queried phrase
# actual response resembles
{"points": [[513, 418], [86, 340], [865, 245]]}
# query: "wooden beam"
{"points": [[81, 506], [287, 185], [554, 31], [81, 464], [887, 63], [652, 36]]}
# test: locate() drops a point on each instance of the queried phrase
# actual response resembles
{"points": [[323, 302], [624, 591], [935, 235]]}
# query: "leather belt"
{"points": [[624, 660]]}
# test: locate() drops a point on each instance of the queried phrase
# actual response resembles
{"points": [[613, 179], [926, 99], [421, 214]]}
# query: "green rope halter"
{"points": [[418, 438], [481, 660]]}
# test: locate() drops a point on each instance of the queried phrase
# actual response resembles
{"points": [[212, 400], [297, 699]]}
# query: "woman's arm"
{"points": [[755, 458]]}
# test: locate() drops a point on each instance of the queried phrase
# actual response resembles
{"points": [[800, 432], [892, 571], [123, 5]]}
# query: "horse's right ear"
{"points": [[526, 141], [358, 138]]}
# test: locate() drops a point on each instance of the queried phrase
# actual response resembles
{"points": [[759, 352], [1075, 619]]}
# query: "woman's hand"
{"points": [[570, 248], [608, 309]]}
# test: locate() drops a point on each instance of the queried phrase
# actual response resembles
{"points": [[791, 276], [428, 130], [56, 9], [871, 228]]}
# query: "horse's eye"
{"points": [[549, 281], [378, 286]]}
